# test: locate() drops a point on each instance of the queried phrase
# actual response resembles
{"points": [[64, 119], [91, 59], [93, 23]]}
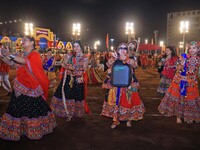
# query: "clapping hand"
{"points": [[4, 52], [114, 54]]}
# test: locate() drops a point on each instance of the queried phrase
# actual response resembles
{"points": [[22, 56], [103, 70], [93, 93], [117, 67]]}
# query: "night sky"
{"points": [[98, 17]]}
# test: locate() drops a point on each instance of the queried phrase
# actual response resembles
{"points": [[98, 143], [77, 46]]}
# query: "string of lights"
{"points": [[10, 21]]}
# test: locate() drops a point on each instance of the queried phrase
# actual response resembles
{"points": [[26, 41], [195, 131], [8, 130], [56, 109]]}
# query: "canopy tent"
{"points": [[148, 47]]}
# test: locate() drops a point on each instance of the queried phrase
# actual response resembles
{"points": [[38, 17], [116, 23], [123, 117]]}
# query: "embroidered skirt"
{"points": [[29, 116], [93, 76], [74, 99], [187, 108], [164, 85], [130, 106]]}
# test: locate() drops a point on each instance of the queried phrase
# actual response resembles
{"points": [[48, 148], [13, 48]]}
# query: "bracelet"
{"points": [[12, 57]]}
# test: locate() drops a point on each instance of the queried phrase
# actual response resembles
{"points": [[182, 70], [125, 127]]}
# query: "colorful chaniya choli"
{"points": [[182, 97], [123, 103], [94, 76], [28, 112], [167, 74], [50, 71], [70, 97]]}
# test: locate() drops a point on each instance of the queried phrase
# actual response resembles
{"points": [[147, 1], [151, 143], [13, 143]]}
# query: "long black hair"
{"points": [[172, 49], [79, 42]]}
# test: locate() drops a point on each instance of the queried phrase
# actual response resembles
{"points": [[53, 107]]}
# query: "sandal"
{"points": [[115, 123], [178, 120], [69, 118]]}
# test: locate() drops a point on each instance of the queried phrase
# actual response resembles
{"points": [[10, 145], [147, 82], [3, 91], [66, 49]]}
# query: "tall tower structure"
{"points": [[174, 36]]}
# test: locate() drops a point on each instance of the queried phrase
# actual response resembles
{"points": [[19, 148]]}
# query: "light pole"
{"points": [[112, 44], [184, 27], [129, 30], [28, 29], [180, 44], [76, 30], [162, 45], [146, 41], [112, 41], [180, 47], [112, 48], [96, 44]]}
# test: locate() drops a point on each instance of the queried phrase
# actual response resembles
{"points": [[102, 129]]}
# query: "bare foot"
{"points": [[178, 120]]}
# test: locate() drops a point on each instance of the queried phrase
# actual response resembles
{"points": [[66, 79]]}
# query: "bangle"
{"points": [[12, 57]]}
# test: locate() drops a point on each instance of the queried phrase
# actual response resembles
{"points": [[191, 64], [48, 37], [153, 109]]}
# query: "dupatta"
{"points": [[183, 82], [34, 67]]}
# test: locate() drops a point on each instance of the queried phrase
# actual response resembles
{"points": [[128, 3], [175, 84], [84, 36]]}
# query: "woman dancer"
{"points": [[28, 112], [49, 68], [69, 98], [123, 104], [169, 67], [182, 97], [93, 72]]}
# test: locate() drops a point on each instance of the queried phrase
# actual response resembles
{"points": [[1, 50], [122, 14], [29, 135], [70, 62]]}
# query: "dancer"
{"points": [[143, 60], [48, 65], [169, 67], [133, 50], [4, 76], [93, 72], [123, 104], [182, 97], [69, 98], [58, 62], [28, 112]]}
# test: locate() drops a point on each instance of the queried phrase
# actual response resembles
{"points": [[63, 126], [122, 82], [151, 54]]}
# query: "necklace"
{"points": [[192, 64]]}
